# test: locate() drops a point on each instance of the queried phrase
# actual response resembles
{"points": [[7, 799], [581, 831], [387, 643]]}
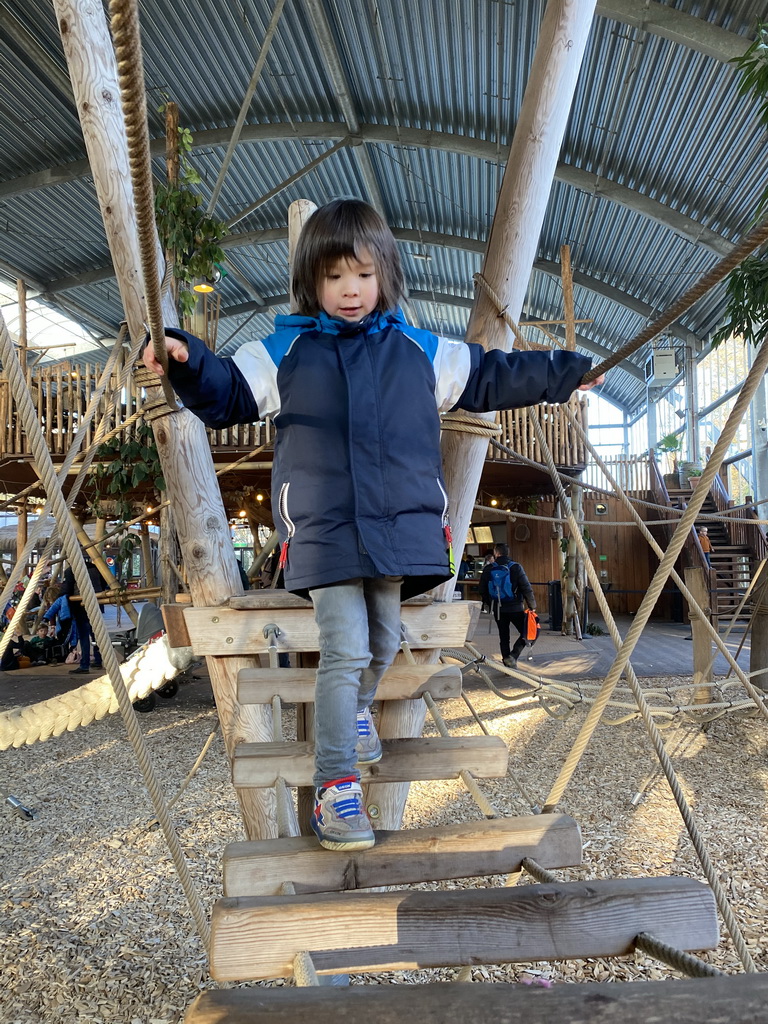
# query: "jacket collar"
{"points": [[371, 324]]}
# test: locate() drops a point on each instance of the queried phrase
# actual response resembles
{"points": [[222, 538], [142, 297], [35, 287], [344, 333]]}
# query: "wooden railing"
{"points": [[692, 553], [740, 523], [631, 472], [564, 442], [61, 394]]}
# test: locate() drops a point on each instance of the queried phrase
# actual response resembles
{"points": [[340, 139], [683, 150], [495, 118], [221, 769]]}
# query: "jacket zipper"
{"points": [[445, 518], [282, 505]]}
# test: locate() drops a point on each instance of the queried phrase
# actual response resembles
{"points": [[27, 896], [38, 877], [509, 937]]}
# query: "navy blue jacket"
{"points": [[357, 484]]}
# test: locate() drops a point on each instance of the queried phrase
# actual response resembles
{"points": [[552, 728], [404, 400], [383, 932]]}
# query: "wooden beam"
{"points": [[400, 682], [228, 631], [702, 641], [469, 849], [738, 999], [258, 765], [257, 938]]}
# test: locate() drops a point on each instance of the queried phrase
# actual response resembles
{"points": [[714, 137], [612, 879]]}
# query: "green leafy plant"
{"points": [[124, 465], [670, 444], [694, 472], [746, 311], [594, 630], [186, 230]]}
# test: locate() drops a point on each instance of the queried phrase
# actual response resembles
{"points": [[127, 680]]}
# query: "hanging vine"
{"points": [[186, 230]]}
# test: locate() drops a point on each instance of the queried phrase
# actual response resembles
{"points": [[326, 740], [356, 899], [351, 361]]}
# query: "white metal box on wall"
{"points": [[661, 366]]}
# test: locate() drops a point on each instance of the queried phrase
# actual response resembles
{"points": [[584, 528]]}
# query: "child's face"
{"points": [[350, 289]]}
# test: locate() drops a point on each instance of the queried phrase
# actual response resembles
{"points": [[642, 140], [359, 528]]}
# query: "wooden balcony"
{"points": [[61, 394]]}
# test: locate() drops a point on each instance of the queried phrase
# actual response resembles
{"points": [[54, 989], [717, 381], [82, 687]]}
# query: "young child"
{"points": [[355, 394]]}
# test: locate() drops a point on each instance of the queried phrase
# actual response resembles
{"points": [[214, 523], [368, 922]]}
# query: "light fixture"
{"points": [[205, 285], [494, 502], [421, 256], [242, 513], [149, 508], [259, 497], [601, 509]]}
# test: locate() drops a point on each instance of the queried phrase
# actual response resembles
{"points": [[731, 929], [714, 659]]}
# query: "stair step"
{"points": [[258, 937], [738, 999], [468, 849], [297, 685], [240, 631], [256, 765]]}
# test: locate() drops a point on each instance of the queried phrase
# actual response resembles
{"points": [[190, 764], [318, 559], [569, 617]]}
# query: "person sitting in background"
{"points": [[14, 650], [40, 647]]}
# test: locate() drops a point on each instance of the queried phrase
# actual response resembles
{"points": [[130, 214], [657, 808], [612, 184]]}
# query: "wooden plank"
{"points": [[260, 764], [466, 850], [738, 999], [226, 631], [401, 682], [258, 937], [283, 599], [175, 626]]}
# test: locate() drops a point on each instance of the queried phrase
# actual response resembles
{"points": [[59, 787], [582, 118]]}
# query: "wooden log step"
{"points": [[256, 765], [222, 631], [738, 999], [401, 682], [258, 937], [465, 850]]}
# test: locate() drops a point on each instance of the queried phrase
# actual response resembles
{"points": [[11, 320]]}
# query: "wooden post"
{"points": [[146, 555], [702, 643], [512, 246], [21, 528], [299, 213], [181, 440], [568, 309], [758, 636]]}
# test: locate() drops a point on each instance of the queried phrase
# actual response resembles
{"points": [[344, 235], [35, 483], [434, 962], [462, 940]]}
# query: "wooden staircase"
{"points": [[287, 900], [731, 562]]}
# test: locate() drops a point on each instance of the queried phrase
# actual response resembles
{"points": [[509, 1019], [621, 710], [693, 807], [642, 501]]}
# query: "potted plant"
{"points": [[694, 475], [671, 445]]}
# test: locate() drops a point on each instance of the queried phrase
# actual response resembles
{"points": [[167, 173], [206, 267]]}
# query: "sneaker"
{"points": [[79, 671], [368, 743], [510, 661], [339, 820]]}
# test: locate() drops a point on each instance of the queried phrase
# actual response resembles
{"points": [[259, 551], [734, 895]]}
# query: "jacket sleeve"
{"points": [[524, 587], [485, 576], [211, 387], [512, 380], [68, 583]]}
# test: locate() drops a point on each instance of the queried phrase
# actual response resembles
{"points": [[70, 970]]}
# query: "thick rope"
{"points": [[502, 310], [666, 565], [69, 460], [56, 498], [751, 241], [469, 424], [147, 670], [466, 777], [126, 36], [595, 713], [756, 695], [683, 962]]}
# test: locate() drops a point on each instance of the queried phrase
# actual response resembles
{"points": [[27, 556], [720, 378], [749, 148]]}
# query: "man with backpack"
{"points": [[504, 586]]}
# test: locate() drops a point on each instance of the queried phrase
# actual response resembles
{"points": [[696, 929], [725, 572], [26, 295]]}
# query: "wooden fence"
{"points": [[518, 434], [61, 394]]}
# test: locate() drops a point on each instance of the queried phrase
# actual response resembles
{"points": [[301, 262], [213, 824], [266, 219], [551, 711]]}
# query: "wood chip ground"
{"points": [[94, 927]]}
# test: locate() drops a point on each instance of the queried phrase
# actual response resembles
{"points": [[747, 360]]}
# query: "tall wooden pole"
{"points": [[512, 248], [181, 439], [514, 237]]}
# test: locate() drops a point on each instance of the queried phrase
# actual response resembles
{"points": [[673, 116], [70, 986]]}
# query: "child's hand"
{"points": [[592, 383], [176, 349]]}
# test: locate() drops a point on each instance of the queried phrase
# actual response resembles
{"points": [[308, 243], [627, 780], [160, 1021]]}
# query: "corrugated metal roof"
{"points": [[650, 114]]}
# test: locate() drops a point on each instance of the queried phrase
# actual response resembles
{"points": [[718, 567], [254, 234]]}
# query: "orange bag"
{"points": [[532, 626]]}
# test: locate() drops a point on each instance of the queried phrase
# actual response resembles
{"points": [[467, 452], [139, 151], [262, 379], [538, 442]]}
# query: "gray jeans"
{"points": [[359, 623]]}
